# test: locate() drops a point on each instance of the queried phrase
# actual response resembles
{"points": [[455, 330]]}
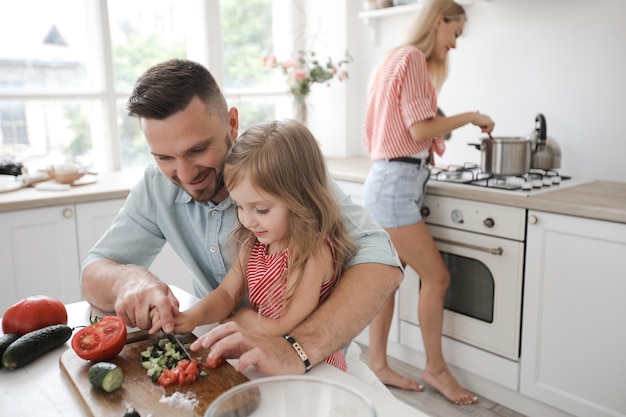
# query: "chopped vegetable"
{"points": [[166, 364]]}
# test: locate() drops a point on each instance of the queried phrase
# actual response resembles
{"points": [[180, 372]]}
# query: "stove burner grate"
{"points": [[471, 174]]}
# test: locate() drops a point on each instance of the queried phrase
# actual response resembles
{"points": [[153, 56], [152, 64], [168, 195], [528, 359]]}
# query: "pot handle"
{"points": [[476, 145], [540, 127]]}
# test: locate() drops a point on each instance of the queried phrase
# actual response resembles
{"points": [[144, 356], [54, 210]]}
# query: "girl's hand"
{"points": [[484, 122], [184, 322]]}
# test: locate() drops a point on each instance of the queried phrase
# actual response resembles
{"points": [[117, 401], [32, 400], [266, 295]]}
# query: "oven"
{"points": [[483, 248]]}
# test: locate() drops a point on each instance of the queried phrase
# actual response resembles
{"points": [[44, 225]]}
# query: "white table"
{"points": [[40, 387]]}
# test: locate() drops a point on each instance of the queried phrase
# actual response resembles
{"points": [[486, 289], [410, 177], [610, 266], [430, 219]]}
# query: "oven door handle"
{"points": [[494, 251]]}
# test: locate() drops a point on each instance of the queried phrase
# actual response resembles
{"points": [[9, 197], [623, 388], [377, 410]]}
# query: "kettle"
{"points": [[545, 151]]}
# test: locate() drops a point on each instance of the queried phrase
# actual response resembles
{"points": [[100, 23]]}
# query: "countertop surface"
{"points": [[600, 200], [41, 385]]}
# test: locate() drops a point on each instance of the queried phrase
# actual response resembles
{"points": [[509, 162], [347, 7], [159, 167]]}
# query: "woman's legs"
{"points": [[417, 248], [379, 334]]}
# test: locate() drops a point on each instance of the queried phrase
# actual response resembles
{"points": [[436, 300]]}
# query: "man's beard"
{"points": [[209, 193]]}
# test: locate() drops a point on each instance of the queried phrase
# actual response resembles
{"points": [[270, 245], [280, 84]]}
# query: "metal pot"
{"points": [[508, 155], [546, 152]]}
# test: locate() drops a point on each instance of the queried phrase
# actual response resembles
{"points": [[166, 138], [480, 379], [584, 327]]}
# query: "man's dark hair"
{"points": [[169, 87]]}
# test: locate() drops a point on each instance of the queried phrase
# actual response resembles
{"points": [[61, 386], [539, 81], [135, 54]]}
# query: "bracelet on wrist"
{"points": [[296, 346]]}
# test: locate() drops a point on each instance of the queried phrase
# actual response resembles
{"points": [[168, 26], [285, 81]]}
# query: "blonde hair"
{"points": [[283, 159], [422, 35]]}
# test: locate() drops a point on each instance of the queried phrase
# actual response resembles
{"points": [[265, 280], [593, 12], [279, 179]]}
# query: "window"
{"points": [[66, 74]]}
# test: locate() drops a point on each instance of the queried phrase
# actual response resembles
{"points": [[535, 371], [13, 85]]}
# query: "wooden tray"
{"points": [[139, 392]]}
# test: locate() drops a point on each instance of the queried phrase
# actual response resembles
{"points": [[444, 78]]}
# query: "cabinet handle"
{"points": [[533, 220], [494, 251], [68, 213]]}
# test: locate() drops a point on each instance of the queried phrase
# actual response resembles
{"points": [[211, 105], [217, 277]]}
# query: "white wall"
{"points": [[563, 58]]}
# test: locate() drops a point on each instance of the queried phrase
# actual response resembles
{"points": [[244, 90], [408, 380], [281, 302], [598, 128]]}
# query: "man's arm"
{"points": [[353, 303], [349, 308], [130, 291]]}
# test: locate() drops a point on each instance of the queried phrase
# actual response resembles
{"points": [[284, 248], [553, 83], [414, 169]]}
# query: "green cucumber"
{"points": [[106, 376], [5, 341], [32, 345]]}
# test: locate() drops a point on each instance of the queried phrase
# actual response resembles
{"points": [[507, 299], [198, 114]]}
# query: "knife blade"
{"points": [[175, 341]]}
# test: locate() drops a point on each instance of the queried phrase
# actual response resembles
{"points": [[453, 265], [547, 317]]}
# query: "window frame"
{"points": [[208, 52]]}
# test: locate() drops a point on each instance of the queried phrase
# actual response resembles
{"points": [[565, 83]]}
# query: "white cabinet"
{"points": [[38, 254], [574, 320], [41, 251]]}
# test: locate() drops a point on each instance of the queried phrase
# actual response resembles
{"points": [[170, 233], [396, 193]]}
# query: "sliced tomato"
{"points": [[213, 363], [167, 378], [184, 372], [102, 340]]}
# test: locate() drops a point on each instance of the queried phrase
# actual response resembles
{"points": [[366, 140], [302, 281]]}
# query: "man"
{"points": [[189, 129]]}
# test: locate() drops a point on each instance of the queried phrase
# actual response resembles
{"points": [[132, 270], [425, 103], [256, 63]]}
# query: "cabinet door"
{"points": [[38, 255], [574, 319]]}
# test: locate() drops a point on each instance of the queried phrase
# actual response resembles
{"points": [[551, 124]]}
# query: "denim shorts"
{"points": [[394, 191]]}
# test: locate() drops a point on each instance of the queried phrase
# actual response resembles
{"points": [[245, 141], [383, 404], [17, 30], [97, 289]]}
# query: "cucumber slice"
{"points": [[106, 376]]}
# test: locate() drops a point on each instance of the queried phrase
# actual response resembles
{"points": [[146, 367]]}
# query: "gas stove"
{"points": [[533, 182]]}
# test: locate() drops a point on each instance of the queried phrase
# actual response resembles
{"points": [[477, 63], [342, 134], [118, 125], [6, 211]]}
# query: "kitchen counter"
{"points": [[40, 385], [600, 200], [107, 187]]}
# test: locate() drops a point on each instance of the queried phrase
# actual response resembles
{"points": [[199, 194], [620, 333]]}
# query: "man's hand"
{"points": [[136, 299], [272, 355], [132, 291]]}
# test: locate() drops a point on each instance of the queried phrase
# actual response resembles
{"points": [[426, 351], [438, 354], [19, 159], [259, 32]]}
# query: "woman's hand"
{"points": [[484, 122]]}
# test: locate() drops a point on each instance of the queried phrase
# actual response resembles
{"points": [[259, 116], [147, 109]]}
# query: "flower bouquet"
{"points": [[305, 70]]}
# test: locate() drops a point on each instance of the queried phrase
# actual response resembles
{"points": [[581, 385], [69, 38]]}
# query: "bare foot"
{"points": [[390, 377], [447, 385]]}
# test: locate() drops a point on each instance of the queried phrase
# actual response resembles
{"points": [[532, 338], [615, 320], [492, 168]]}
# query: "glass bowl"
{"points": [[282, 396]]}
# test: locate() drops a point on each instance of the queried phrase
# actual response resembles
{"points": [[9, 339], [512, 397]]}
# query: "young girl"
{"points": [[403, 132], [291, 243]]}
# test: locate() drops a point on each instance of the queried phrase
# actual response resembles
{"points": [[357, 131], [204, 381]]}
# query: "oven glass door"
{"points": [[483, 302], [472, 287]]}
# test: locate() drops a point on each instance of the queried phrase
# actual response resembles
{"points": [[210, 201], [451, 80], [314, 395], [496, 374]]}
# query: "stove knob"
{"points": [[425, 211], [457, 216], [489, 222]]}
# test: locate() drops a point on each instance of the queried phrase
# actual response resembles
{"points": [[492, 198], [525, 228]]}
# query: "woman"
{"points": [[403, 132]]}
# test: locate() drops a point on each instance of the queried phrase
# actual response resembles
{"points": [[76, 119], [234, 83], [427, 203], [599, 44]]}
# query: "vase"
{"points": [[300, 108]]}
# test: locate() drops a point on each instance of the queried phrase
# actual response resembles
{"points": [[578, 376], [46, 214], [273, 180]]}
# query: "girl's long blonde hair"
{"points": [[283, 159], [422, 35]]}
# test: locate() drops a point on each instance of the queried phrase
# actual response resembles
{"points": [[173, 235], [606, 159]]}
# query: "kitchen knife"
{"points": [[172, 338]]}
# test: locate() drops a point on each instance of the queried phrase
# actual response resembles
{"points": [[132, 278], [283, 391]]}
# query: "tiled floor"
{"points": [[434, 404]]}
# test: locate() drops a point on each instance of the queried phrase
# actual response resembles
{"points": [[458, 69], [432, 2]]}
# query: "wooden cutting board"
{"points": [[138, 390]]}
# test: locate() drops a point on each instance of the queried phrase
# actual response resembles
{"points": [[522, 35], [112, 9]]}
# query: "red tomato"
{"points": [[167, 378], [103, 340], [184, 372], [33, 313], [213, 363]]}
